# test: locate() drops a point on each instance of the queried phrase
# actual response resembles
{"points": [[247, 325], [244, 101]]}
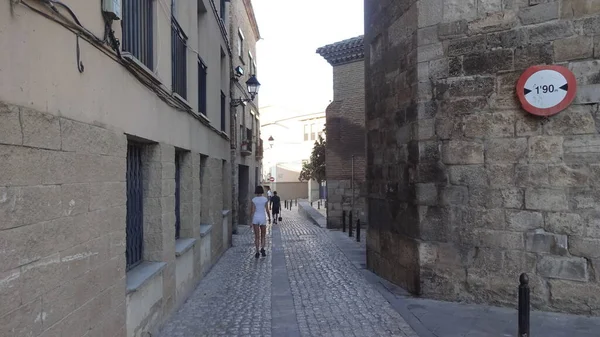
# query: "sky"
{"points": [[290, 71]]}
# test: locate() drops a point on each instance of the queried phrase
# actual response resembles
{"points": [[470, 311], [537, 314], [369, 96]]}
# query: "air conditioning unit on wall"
{"points": [[112, 8]]}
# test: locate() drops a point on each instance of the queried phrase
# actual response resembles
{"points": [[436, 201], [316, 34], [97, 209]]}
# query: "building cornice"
{"points": [[346, 51], [252, 18]]}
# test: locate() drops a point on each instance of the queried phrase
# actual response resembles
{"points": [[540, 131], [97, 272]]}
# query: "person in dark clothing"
{"points": [[275, 206]]}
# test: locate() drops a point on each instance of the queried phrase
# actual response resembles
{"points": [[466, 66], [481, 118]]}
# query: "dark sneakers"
{"points": [[257, 255], [262, 251]]}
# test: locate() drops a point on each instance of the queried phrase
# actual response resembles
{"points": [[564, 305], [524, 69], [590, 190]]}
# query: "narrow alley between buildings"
{"points": [[313, 282], [305, 286]]}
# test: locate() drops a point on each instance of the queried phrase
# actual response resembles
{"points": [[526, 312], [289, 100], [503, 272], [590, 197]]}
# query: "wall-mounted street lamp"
{"points": [[271, 141], [253, 86]]}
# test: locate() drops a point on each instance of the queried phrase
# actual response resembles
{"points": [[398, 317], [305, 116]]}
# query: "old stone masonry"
{"points": [[305, 286]]}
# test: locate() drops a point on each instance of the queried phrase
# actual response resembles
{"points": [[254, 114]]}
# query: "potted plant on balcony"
{"points": [[246, 148], [245, 144]]}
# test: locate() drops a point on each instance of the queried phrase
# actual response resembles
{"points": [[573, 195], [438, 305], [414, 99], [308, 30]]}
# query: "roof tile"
{"points": [[344, 51]]}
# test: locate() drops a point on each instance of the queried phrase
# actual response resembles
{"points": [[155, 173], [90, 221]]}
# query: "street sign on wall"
{"points": [[546, 90]]}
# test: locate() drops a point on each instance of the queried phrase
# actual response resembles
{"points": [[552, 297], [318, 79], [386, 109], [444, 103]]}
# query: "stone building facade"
{"points": [[114, 164], [466, 189], [247, 148], [346, 131]]}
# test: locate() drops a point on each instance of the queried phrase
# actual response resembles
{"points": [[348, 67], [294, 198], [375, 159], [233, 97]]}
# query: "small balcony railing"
{"points": [[246, 148]]}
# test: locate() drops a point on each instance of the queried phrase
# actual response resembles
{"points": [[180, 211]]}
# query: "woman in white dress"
{"points": [[260, 211]]}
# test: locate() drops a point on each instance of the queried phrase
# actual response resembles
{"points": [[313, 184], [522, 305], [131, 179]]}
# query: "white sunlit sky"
{"points": [[292, 74]]}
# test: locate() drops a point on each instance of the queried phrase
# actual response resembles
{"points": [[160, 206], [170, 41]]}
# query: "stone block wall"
{"points": [[62, 226], [345, 124], [340, 199], [217, 189], [63, 215], [468, 189]]}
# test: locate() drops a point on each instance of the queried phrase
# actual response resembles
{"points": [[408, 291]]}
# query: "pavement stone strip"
{"points": [[329, 296], [313, 283]]}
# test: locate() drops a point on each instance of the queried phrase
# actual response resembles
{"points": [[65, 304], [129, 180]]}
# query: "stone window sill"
{"points": [[182, 100], [183, 245], [141, 274], [203, 117], [205, 230], [145, 71]]}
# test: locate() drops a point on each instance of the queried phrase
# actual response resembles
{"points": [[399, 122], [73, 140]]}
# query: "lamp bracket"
{"points": [[241, 101]]}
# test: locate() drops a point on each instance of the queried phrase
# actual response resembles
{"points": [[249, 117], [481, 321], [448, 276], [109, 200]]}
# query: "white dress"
{"points": [[260, 214]]}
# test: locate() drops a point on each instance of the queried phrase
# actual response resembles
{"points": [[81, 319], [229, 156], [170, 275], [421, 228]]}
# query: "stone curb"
{"points": [[308, 212]]}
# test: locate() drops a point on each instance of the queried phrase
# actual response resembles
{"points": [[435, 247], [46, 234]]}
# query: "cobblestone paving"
{"points": [[234, 299], [330, 296]]}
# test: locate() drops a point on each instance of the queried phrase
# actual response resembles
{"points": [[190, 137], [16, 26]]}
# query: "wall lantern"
{"points": [[253, 86], [271, 141]]}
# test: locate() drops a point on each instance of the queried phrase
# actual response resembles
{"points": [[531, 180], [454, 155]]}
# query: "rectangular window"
{"points": [[137, 29], [222, 13], [240, 43], [249, 134], [305, 132], [178, 58], [223, 114], [177, 194], [203, 161], [135, 219], [251, 63], [313, 131], [201, 87]]}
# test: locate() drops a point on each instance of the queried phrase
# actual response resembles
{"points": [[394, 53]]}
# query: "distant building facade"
{"points": [[294, 135], [466, 189], [346, 131], [246, 149]]}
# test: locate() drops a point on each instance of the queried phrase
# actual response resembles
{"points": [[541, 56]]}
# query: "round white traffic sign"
{"points": [[546, 90]]}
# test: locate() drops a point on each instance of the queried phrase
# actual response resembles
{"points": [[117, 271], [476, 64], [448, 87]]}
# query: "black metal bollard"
{"points": [[357, 230], [285, 203], [318, 204], [350, 225], [311, 205], [524, 306], [344, 221], [296, 202]]}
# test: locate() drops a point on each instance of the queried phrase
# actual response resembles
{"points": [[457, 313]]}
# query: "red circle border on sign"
{"points": [[571, 92]]}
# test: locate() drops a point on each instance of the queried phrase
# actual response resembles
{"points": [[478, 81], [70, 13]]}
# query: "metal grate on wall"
{"points": [[135, 218], [201, 87], [177, 195], [223, 115], [137, 26], [178, 59]]}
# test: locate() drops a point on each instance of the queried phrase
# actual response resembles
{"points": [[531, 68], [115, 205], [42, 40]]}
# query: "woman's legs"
{"points": [[256, 237], [263, 233]]}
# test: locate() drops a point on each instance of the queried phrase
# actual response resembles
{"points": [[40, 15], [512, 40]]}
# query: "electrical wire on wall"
{"points": [[76, 27]]}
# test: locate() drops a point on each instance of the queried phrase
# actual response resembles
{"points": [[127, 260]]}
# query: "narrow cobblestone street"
{"points": [[305, 286]]}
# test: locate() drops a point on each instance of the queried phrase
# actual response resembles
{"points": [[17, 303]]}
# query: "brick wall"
{"points": [[477, 189], [346, 138], [62, 226]]}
